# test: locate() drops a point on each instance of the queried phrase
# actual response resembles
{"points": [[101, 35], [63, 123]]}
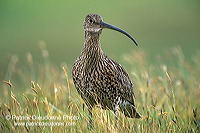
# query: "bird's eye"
{"points": [[91, 21]]}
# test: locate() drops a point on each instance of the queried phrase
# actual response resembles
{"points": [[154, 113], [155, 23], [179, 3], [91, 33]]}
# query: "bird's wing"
{"points": [[121, 77]]}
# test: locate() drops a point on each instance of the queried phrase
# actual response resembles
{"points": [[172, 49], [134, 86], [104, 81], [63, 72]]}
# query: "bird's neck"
{"points": [[92, 51]]}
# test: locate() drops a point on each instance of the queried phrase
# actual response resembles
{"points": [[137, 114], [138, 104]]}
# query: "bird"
{"points": [[99, 79]]}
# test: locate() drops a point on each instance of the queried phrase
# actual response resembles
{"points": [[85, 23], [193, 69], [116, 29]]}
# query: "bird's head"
{"points": [[94, 24]]}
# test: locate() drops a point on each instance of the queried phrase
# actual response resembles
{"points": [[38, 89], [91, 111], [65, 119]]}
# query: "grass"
{"points": [[167, 95]]}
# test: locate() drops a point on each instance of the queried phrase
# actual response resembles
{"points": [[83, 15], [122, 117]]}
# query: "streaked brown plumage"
{"points": [[98, 78]]}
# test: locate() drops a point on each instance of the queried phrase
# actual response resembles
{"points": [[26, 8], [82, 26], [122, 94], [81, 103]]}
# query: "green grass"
{"points": [[167, 95]]}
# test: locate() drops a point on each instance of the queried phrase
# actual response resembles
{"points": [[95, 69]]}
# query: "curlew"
{"points": [[98, 78]]}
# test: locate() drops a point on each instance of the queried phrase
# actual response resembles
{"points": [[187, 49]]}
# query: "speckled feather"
{"points": [[99, 79]]}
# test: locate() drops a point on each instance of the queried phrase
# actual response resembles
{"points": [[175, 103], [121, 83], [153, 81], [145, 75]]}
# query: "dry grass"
{"points": [[167, 94]]}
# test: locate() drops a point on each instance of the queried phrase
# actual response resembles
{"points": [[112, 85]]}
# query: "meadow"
{"points": [[41, 96], [40, 40]]}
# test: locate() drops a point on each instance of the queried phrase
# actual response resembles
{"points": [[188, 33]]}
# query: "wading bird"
{"points": [[98, 78]]}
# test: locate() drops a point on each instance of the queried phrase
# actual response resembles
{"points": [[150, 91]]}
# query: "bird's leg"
{"points": [[116, 112], [83, 107], [90, 124]]}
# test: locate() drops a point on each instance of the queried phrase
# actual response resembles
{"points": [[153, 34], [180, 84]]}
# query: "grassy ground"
{"points": [[167, 95]]}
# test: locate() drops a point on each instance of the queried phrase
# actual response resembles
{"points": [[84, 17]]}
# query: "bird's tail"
{"points": [[130, 111]]}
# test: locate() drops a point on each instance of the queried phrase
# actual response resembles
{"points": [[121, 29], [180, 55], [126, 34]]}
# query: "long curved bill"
{"points": [[109, 26]]}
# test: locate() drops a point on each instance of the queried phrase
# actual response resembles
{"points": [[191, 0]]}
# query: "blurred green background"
{"points": [[157, 26]]}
